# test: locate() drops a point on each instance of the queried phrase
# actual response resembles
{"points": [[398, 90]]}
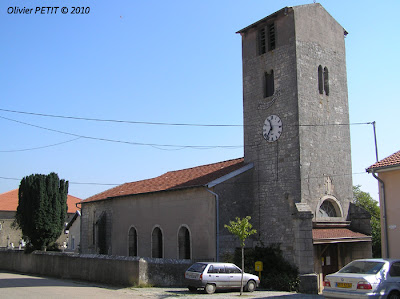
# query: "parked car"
{"points": [[212, 276], [366, 278]]}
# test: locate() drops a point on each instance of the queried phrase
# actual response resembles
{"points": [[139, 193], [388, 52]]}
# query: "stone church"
{"points": [[295, 179]]}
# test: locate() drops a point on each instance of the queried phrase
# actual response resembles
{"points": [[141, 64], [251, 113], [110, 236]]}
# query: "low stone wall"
{"points": [[114, 270]]}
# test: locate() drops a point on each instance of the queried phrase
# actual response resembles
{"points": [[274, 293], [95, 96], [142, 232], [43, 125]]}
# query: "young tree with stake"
{"points": [[242, 229]]}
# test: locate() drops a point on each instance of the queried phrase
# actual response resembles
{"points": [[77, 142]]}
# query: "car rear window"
{"points": [[363, 267], [198, 267]]}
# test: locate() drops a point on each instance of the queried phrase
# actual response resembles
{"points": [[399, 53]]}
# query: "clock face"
{"points": [[272, 128]]}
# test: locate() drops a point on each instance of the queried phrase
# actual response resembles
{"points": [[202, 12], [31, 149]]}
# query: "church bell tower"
{"points": [[296, 126]]}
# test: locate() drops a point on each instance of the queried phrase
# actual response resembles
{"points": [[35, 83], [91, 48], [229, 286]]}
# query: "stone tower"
{"points": [[296, 126]]}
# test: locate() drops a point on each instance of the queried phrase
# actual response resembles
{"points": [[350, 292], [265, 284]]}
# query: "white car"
{"points": [[367, 278], [212, 276]]}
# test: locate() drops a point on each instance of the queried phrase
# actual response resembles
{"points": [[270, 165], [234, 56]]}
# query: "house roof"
{"points": [[185, 178], [388, 162], [76, 215], [9, 201], [337, 235]]}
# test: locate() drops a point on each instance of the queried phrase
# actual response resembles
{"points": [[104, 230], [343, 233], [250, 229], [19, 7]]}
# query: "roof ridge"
{"points": [[204, 165]]}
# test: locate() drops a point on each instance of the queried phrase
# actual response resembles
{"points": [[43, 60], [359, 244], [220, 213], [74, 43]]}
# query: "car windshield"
{"points": [[198, 267], [363, 267]]}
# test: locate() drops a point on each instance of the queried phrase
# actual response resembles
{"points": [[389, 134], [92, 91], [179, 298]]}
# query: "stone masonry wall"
{"points": [[112, 270], [323, 119], [276, 174]]}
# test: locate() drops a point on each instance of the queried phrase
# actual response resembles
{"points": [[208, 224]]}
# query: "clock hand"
{"points": [[270, 126]]}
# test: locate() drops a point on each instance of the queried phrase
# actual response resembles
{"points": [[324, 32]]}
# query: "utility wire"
{"points": [[75, 183], [120, 121], [112, 184], [154, 145], [164, 123], [127, 142], [39, 147]]}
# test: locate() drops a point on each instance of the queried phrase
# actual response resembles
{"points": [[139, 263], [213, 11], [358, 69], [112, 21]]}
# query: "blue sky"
{"points": [[168, 62]]}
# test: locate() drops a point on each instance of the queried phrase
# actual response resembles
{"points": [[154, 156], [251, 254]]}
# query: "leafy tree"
{"points": [[242, 229], [42, 208], [364, 200]]}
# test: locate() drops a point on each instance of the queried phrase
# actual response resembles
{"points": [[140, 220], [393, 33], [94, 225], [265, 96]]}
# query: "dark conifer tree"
{"points": [[42, 209]]}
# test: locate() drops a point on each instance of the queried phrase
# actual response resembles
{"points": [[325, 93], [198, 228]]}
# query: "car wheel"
{"points": [[192, 289], [394, 295], [251, 286], [210, 288]]}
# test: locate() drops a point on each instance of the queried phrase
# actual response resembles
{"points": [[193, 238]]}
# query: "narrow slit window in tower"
{"points": [[269, 86]]}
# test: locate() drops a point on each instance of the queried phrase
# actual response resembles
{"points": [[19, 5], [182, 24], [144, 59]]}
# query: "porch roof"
{"points": [[337, 235]]}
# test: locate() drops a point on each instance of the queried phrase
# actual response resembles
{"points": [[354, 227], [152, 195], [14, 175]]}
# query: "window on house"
{"points": [[271, 37], [184, 243], [156, 243], [102, 241], [261, 41], [323, 80], [132, 240], [269, 86]]}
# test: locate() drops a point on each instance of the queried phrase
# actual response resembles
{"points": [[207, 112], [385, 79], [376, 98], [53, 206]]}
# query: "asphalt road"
{"points": [[14, 285]]}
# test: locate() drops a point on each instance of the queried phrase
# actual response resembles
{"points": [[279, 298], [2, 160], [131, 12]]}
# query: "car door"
{"points": [[216, 274], [234, 275]]}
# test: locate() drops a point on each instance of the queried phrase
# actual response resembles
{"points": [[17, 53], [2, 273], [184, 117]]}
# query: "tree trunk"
{"points": [[241, 281]]}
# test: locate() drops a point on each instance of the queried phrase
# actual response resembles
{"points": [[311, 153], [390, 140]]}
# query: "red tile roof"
{"points": [[391, 161], [191, 177], [321, 235], [9, 201]]}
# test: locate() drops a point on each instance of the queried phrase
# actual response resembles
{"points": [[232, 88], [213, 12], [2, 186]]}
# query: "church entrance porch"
{"points": [[336, 247]]}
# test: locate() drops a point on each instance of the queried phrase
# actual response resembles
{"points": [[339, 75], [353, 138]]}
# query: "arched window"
{"points": [[132, 241], [156, 243], [184, 243], [327, 209]]}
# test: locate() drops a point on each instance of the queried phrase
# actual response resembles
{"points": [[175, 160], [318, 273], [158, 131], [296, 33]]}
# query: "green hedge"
{"points": [[278, 274]]}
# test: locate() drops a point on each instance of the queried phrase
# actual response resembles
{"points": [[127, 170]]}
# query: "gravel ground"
{"points": [[184, 293], [13, 285]]}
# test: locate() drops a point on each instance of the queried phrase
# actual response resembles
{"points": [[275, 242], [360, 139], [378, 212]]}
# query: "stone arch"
{"points": [[329, 207]]}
